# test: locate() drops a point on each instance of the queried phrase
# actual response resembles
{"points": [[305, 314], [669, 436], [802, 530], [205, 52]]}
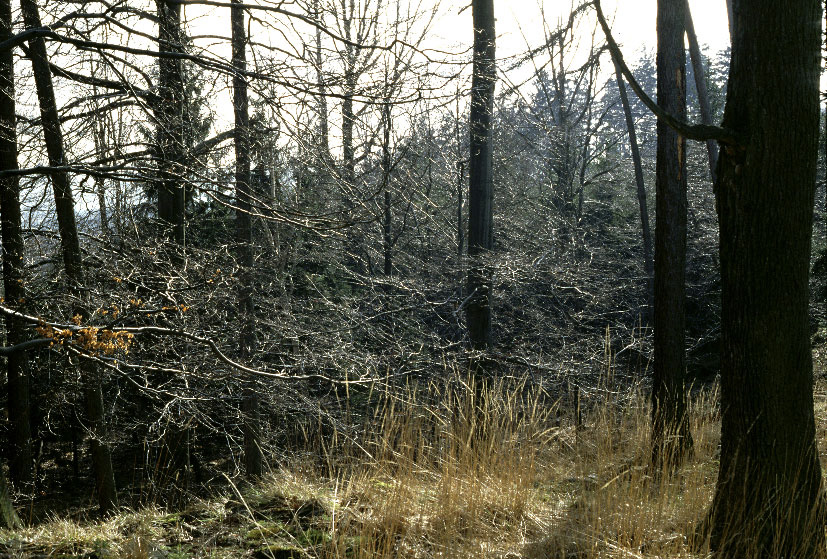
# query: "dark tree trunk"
{"points": [[353, 260], [387, 233], [481, 189], [769, 498], [72, 259], [253, 462], [670, 424], [460, 228], [169, 115], [460, 188], [700, 86], [20, 453], [648, 265]]}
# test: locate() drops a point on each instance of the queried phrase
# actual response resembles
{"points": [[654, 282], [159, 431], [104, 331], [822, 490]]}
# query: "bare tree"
{"points": [[72, 257], [20, 447], [769, 499], [648, 264], [700, 86], [481, 189], [170, 121], [671, 438], [244, 233]]}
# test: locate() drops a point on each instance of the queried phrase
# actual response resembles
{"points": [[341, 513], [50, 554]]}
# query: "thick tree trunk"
{"points": [[169, 115], [20, 453], [769, 498], [700, 86], [481, 189], [244, 234], [72, 259], [646, 233], [670, 424]]}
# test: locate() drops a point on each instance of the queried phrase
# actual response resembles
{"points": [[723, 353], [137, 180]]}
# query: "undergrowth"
{"points": [[494, 470]]}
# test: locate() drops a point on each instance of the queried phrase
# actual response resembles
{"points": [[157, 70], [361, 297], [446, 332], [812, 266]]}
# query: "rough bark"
{"points": [[769, 498], [700, 87], [481, 189], [253, 462], [648, 264], [72, 259], [670, 424], [20, 446], [169, 115]]}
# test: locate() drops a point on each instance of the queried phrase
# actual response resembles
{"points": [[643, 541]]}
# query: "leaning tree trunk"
{"points": [[670, 424], [244, 234], [769, 498], [169, 115], [481, 189], [700, 87], [646, 233], [72, 260], [20, 453]]}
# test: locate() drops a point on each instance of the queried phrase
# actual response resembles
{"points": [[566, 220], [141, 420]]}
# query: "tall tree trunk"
{"points": [[72, 259], [170, 121], [461, 156], [321, 87], [670, 424], [460, 228], [387, 233], [648, 265], [700, 86], [20, 447], [244, 234], [481, 190], [769, 498]]}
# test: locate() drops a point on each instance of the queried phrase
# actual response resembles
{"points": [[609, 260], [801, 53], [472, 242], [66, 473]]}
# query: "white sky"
{"points": [[633, 23]]}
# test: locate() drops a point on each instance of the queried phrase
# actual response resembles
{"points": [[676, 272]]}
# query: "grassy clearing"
{"points": [[495, 472]]}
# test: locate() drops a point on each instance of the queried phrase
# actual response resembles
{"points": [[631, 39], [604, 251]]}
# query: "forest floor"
{"points": [[535, 482]]}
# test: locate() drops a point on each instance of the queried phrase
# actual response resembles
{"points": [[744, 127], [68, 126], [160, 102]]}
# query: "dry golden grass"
{"points": [[529, 484], [495, 471]]}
